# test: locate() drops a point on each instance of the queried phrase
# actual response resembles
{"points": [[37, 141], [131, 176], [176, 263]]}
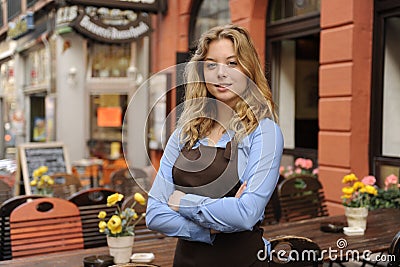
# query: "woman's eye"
{"points": [[232, 64], [211, 66]]}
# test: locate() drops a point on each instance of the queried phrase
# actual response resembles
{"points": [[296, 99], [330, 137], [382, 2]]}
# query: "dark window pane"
{"points": [[13, 8], [283, 9]]}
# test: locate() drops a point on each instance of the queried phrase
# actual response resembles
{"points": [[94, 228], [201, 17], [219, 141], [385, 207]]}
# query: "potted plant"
{"points": [[388, 197], [42, 182], [356, 198], [120, 228], [302, 166]]}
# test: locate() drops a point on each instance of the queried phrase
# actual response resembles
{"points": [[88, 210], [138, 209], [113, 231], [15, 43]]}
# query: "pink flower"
{"points": [[281, 170], [298, 170], [299, 162], [308, 164], [391, 180], [315, 171], [369, 180]]}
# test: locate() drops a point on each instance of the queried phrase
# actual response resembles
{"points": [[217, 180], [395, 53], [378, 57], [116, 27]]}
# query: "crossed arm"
{"points": [[195, 217]]}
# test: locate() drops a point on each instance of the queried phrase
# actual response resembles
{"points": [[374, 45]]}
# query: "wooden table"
{"points": [[382, 226], [163, 249]]}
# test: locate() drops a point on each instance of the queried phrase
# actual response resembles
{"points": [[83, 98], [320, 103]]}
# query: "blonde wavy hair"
{"points": [[199, 109]]}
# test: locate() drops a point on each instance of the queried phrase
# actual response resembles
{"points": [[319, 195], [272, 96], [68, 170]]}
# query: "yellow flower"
{"points": [[371, 190], [43, 169], [115, 224], [140, 199], [102, 215], [347, 190], [50, 181], [36, 173], [358, 185], [113, 199], [349, 178], [34, 182], [102, 226]]}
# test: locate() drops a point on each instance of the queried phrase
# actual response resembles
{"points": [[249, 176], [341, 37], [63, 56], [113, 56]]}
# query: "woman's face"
{"points": [[223, 75]]}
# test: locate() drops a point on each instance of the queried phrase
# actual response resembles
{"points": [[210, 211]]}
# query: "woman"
{"points": [[221, 164]]}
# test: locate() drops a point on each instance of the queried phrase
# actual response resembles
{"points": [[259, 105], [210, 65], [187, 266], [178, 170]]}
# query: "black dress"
{"points": [[212, 172]]}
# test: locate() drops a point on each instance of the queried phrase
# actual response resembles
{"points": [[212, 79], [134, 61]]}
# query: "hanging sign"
{"points": [[149, 6], [111, 25]]}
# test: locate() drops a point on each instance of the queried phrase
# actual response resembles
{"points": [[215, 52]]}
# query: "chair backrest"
{"points": [[65, 185], [272, 213], [5, 210], [6, 191], [141, 230], [90, 202], [301, 197], [128, 181], [395, 250], [293, 251], [45, 225]]}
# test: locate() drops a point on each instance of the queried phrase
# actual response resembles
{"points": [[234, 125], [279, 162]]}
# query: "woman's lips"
{"points": [[222, 87]]}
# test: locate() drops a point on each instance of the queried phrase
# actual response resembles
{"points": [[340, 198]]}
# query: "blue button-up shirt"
{"points": [[259, 156]]}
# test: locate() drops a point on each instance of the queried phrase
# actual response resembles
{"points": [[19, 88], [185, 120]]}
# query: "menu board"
{"points": [[33, 155]]}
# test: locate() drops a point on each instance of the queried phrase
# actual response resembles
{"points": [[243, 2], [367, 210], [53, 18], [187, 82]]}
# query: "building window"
{"points": [[1, 15], [110, 60], [13, 8], [385, 94], [31, 2], [107, 113], [293, 50], [207, 14], [284, 9], [36, 68]]}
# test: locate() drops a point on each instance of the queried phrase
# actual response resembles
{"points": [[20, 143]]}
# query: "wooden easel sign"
{"points": [[33, 155]]}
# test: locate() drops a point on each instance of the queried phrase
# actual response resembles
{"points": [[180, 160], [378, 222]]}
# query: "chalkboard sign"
{"points": [[34, 155]]}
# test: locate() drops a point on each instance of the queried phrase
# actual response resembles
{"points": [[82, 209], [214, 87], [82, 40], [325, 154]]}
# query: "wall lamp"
{"points": [[72, 72], [133, 73]]}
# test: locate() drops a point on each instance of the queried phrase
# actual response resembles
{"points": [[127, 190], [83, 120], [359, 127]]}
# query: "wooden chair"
{"points": [[129, 181], [65, 185], [45, 225], [288, 251], [6, 191], [393, 254], [5, 210], [90, 202], [301, 197], [272, 213], [141, 230], [395, 251]]}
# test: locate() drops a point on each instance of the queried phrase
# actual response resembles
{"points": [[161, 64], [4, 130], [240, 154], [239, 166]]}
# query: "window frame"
{"points": [[382, 11]]}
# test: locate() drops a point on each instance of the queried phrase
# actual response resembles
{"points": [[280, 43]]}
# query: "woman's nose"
{"points": [[221, 71]]}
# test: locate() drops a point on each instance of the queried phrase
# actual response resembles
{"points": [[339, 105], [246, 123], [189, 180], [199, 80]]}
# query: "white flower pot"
{"points": [[356, 217], [121, 248]]}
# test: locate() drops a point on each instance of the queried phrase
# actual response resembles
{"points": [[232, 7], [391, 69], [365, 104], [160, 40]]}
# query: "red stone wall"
{"points": [[345, 82]]}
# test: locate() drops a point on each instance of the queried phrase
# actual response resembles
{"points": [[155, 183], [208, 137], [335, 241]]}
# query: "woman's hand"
{"points": [[241, 190], [175, 199]]}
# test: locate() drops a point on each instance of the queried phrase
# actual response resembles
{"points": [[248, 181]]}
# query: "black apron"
{"points": [[212, 172]]}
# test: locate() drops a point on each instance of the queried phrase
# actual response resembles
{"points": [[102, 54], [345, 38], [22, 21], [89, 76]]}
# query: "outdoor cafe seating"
{"points": [[90, 202], [45, 225]]}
